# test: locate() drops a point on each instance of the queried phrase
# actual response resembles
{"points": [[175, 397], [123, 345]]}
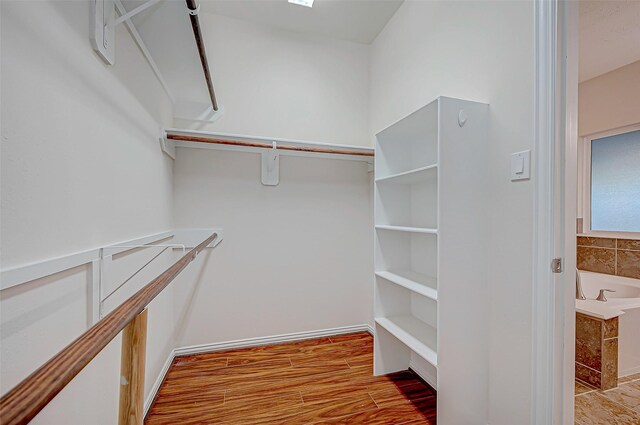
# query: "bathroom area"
{"points": [[607, 365], [607, 340]]}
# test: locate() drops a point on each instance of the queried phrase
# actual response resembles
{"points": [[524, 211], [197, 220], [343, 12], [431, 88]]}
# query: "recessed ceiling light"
{"points": [[307, 3]]}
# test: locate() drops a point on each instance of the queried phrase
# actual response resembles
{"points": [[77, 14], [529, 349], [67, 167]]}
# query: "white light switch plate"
{"points": [[521, 165]]}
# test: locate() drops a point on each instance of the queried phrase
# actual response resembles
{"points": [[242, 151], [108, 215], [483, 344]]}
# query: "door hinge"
{"points": [[556, 265]]}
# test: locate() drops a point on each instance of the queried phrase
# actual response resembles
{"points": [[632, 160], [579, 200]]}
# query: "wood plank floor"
{"points": [[327, 380]]}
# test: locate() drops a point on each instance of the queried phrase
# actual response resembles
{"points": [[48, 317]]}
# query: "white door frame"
{"points": [[555, 193]]}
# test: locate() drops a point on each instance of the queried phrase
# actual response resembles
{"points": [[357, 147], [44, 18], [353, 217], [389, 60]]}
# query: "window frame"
{"points": [[585, 184]]}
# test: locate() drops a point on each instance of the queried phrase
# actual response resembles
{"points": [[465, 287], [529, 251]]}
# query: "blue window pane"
{"points": [[615, 183]]}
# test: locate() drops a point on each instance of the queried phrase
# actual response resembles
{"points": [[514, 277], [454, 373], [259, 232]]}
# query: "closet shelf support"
{"points": [[135, 11]]}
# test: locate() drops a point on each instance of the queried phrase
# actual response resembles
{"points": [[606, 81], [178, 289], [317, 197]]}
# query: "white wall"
{"points": [[605, 103], [80, 157], [483, 51], [609, 101], [282, 84], [296, 257], [81, 168]]}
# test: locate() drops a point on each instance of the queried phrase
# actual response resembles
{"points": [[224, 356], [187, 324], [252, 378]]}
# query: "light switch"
{"points": [[520, 165]]}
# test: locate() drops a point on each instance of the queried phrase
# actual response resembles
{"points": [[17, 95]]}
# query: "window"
{"points": [[614, 183]]}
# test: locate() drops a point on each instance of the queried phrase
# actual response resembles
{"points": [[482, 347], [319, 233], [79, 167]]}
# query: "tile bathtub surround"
{"points": [[628, 263], [599, 242], [597, 351], [609, 377], [589, 338], [619, 257]]}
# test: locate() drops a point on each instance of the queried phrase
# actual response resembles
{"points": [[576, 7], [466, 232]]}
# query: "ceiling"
{"points": [[165, 29], [353, 20], [609, 36]]}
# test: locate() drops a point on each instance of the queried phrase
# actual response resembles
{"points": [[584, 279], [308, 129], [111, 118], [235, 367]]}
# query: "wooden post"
{"points": [[134, 345]]}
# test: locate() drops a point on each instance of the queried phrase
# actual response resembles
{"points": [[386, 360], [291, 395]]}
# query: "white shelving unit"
{"points": [[431, 302]]}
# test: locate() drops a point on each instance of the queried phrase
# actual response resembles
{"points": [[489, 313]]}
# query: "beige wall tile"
{"points": [[609, 378], [601, 242], [610, 256], [610, 328], [587, 375], [601, 260], [629, 263], [589, 341], [629, 244]]}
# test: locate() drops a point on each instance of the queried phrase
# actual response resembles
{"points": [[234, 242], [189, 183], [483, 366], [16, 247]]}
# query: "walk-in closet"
{"points": [[266, 212]]}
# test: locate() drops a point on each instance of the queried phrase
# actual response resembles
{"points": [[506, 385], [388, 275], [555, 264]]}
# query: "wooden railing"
{"points": [[23, 402]]}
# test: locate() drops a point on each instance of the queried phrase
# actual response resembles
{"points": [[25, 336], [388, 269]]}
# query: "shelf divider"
{"points": [[415, 334], [416, 282], [427, 230], [412, 176]]}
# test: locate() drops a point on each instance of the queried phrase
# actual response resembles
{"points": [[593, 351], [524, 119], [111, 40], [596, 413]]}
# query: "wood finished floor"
{"points": [[326, 380]]}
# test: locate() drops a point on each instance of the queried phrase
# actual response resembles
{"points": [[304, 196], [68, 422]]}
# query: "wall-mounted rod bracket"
{"points": [[271, 166], [194, 12], [102, 29]]}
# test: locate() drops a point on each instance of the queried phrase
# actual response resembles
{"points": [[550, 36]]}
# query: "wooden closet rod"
{"points": [[213, 140], [30, 396], [195, 25]]}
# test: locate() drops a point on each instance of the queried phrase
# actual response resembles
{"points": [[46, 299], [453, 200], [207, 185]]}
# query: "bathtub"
{"points": [[625, 304]]}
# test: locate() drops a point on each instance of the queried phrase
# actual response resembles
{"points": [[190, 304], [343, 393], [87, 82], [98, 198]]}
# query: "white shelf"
{"points": [[416, 282], [411, 177], [408, 229], [415, 334]]}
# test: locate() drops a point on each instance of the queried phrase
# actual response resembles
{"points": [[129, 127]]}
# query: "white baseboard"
{"points": [[269, 340], [422, 373], [244, 343], [158, 382]]}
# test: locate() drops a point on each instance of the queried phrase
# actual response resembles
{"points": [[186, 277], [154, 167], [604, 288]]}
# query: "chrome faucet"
{"points": [[601, 296], [579, 293]]}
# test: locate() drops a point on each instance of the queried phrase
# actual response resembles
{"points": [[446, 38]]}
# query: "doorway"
{"points": [[576, 133]]}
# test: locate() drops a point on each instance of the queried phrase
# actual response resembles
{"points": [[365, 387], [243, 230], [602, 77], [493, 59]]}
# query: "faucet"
{"points": [[601, 296], [579, 293]]}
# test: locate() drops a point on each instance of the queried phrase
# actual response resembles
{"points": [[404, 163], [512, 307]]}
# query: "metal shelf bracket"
{"points": [[135, 11]]}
